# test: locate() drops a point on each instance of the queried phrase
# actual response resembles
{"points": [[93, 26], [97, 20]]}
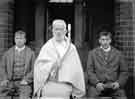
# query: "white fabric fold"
{"points": [[70, 70]]}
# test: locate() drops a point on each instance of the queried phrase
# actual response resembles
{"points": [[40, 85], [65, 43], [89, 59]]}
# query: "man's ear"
{"points": [[25, 40], [110, 41], [99, 40], [66, 32]]}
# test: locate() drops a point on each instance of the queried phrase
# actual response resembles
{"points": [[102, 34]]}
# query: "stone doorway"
{"points": [[63, 11], [99, 15]]}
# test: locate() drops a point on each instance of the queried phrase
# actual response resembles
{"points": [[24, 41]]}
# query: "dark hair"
{"points": [[105, 33], [20, 32]]}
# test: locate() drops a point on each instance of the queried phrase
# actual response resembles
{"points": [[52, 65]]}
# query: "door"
{"points": [[63, 11], [100, 15]]}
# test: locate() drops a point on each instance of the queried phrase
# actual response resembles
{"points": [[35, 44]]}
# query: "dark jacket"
{"points": [[101, 70], [7, 64]]}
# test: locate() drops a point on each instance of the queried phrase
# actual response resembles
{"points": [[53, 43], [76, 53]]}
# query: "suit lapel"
{"points": [[111, 55], [11, 62], [100, 55], [27, 57]]}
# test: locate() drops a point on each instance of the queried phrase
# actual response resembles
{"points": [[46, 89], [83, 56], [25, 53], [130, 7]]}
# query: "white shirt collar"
{"points": [[106, 50], [20, 49]]}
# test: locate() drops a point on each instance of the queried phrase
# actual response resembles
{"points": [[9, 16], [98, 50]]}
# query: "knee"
{"points": [[120, 97], [92, 92], [120, 93], [25, 90], [5, 97], [3, 91]]}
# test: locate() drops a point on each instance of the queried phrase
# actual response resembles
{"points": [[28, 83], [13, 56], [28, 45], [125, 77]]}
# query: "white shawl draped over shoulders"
{"points": [[70, 71]]}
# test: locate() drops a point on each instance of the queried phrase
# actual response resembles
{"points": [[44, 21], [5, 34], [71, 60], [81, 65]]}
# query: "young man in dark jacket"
{"points": [[107, 69]]}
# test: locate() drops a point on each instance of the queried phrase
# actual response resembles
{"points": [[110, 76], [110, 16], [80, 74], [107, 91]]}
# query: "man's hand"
{"points": [[115, 85], [23, 82], [4, 83], [100, 86]]}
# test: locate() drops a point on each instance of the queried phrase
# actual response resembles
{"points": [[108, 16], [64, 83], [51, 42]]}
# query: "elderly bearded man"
{"points": [[58, 72]]}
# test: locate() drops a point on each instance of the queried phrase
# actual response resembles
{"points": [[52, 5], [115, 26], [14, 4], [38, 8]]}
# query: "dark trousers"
{"points": [[116, 94], [14, 88]]}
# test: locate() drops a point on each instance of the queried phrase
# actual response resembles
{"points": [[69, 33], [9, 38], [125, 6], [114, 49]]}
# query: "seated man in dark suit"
{"points": [[17, 68], [107, 70]]}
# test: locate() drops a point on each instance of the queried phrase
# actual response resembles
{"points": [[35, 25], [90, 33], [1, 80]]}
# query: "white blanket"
{"points": [[70, 69]]}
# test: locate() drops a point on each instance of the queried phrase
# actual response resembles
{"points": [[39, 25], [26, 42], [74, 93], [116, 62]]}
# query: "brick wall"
{"points": [[134, 45], [125, 35], [6, 24]]}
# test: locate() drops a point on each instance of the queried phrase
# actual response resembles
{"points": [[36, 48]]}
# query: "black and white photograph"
{"points": [[67, 49]]}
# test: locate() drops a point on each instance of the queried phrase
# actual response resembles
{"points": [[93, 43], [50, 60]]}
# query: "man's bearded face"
{"points": [[59, 32]]}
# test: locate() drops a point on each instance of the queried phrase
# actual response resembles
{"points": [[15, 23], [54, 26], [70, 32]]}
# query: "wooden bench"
{"points": [[96, 98]]}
